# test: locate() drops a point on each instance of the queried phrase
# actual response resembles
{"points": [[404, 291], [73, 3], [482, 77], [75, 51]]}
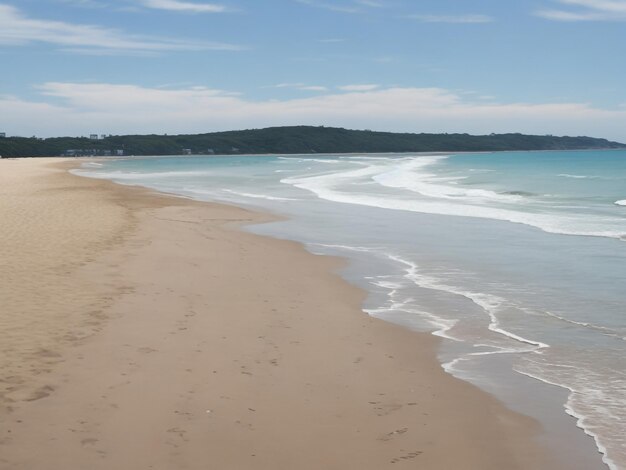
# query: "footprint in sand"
{"points": [[391, 435], [40, 393], [409, 456], [384, 410]]}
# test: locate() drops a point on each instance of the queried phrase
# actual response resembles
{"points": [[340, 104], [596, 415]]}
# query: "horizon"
{"points": [[104, 136], [544, 67]]}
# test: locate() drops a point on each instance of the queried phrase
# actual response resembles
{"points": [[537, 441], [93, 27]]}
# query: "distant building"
{"points": [[210, 151], [107, 153], [119, 153], [93, 136], [3, 135], [103, 136], [186, 151]]}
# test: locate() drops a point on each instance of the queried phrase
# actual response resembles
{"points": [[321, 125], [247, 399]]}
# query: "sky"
{"points": [[77, 67]]}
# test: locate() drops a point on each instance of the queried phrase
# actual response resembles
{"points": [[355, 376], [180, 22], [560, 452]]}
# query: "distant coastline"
{"points": [[290, 140]]}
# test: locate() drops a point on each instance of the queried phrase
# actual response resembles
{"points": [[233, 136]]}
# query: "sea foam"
{"points": [[343, 186]]}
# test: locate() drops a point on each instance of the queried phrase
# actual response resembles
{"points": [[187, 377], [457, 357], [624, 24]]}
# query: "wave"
{"points": [[321, 160], [489, 303], [581, 419], [601, 329], [620, 203], [361, 249], [437, 198], [441, 325], [394, 306], [578, 177], [129, 175], [409, 177], [258, 196], [304, 159], [581, 403], [590, 177]]}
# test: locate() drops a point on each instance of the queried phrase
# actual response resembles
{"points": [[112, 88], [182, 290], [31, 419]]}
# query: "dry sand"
{"points": [[142, 331]]}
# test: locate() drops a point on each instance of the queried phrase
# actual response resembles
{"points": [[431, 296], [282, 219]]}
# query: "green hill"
{"points": [[289, 140]]}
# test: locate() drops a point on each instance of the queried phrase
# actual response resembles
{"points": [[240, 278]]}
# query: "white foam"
{"points": [[620, 203], [590, 177], [409, 176], [394, 287], [320, 160], [578, 177], [258, 196], [307, 160], [130, 175], [601, 329], [581, 419], [451, 366], [343, 247], [487, 302], [441, 325], [329, 186]]}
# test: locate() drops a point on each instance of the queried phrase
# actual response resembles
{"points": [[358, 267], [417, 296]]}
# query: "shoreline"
{"points": [[297, 376]]}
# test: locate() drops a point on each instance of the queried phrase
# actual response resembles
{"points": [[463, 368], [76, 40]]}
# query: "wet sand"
{"points": [[142, 331]]}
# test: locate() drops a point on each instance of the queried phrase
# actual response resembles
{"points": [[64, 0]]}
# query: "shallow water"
{"points": [[517, 259]]}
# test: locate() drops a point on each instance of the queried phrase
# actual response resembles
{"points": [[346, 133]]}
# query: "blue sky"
{"points": [[73, 67]]}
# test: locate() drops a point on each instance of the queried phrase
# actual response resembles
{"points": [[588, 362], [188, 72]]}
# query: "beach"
{"points": [[144, 331]]}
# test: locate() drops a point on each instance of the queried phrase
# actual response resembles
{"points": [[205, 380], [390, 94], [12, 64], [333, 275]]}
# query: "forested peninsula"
{"points": [[289, 140]]}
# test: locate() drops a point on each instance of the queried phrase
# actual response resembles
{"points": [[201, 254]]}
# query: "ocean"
{"points": [[516, 259]]}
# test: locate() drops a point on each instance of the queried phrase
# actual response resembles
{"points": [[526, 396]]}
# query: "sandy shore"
{"points": [[141, 331]]}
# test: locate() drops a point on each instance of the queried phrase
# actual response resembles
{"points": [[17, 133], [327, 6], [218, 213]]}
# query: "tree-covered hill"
{"points": [[289, 140]]}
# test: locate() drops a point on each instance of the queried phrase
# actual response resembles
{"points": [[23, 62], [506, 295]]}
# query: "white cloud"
{"points": [[369, 87], [469, 19], [560, 15], [85, 3], [286, 85], [616, 6], [587, 10], [347, 6], [371, 3], [300, 86], [313, 88], [177, 5], [17, 29], [122, 109], [342, 8]]}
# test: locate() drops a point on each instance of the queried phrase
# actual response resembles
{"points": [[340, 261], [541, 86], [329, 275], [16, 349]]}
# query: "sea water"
{"points": [[516, 259]]}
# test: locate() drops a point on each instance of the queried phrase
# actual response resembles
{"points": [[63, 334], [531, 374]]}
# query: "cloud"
{"points": [[615, 6], [177, 5], [371, 3], [18, 30], [85, 3], [121, 109], [469, 19], [347, 6], [586, 10], [313, 88], [342, 8], [300, 86], [358, 87]]}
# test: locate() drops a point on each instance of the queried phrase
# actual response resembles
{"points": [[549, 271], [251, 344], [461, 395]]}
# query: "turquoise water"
{"points": [[518, 260]]}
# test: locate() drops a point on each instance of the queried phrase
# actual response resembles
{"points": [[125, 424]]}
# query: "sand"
{"points": [[141, 331]]}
